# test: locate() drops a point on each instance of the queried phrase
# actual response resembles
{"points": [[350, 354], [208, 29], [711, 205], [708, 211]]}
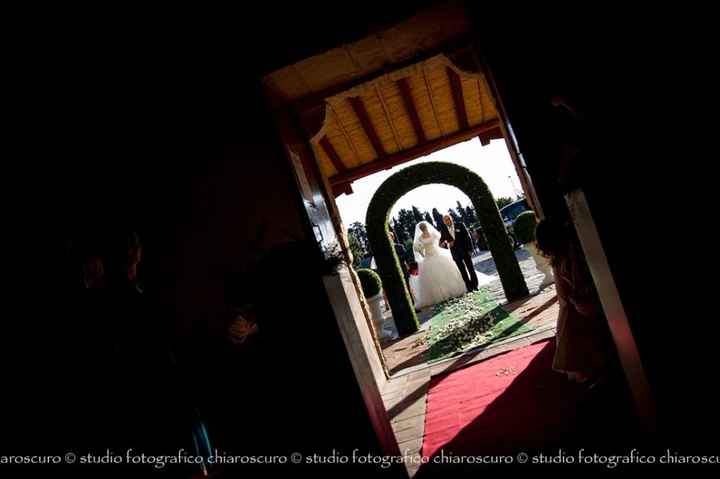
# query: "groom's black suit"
{"points": [[461, 248]]}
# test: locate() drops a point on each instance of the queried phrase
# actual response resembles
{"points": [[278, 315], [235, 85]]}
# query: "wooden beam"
{"points": [[432, 100], [359, 108], [341, 188], [341, 127], [414, 152], [465, 59], [458, 97], [411, 109], [332, 154], [311, 121], [486, 136], [388, 117]]}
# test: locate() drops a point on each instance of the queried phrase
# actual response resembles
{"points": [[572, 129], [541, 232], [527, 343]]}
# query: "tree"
{"points": [[357, 250], [439, 224], [428, 218], [403, 225], [462, 212], [503, 201], [470, 212], [360, 233], [417, 215], [398, 231], [407, 222]]}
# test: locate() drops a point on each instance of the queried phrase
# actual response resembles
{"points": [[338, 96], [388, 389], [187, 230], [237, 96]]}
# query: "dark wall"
{"points": [[641, 168], [177, 145], [152, 127]]}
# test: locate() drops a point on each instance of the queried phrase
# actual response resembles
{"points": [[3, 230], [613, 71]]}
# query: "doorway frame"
{"points": [[344, 290]]}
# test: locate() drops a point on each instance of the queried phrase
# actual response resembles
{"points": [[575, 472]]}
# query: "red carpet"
{"points": [[508, 403]]}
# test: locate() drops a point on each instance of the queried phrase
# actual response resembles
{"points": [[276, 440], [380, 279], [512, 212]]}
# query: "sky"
{"points": [[492, 162]]}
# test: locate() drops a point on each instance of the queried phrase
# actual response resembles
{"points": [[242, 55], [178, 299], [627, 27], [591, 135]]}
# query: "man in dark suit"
{"points": [[457, 238]]}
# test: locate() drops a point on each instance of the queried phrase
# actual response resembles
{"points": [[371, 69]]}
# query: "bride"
{"points": [[439, 278]]}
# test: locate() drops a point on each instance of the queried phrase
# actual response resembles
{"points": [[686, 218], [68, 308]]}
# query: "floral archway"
{"points": [[388, 265]]}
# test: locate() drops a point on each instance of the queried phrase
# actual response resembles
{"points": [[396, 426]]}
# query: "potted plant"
{"points": [[524, 229], [372, 289]]}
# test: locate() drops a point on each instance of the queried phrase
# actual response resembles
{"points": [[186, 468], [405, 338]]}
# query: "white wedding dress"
{"points": [[439, 278]]}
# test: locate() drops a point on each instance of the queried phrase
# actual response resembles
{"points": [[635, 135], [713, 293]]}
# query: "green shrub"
{"points": [[485, 207], [370, 282], [524, 227]]}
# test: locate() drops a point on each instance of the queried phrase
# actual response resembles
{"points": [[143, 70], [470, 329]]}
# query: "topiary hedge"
{"points": [[388, 266], [524, 227], [370, 282]]}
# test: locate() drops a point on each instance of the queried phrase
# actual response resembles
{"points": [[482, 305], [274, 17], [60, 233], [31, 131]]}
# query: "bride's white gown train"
{"points": [[439, 278]]}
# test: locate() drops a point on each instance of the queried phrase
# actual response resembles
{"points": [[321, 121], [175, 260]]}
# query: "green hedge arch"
{"points": [[376, 223]]}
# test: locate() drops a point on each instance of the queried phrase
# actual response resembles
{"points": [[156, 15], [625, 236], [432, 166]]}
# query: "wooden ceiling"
{"points": [[390, 97], [400, 116]]}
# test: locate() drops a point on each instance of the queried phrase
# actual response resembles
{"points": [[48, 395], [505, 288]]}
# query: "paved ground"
{"points": [[485, 264]]}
